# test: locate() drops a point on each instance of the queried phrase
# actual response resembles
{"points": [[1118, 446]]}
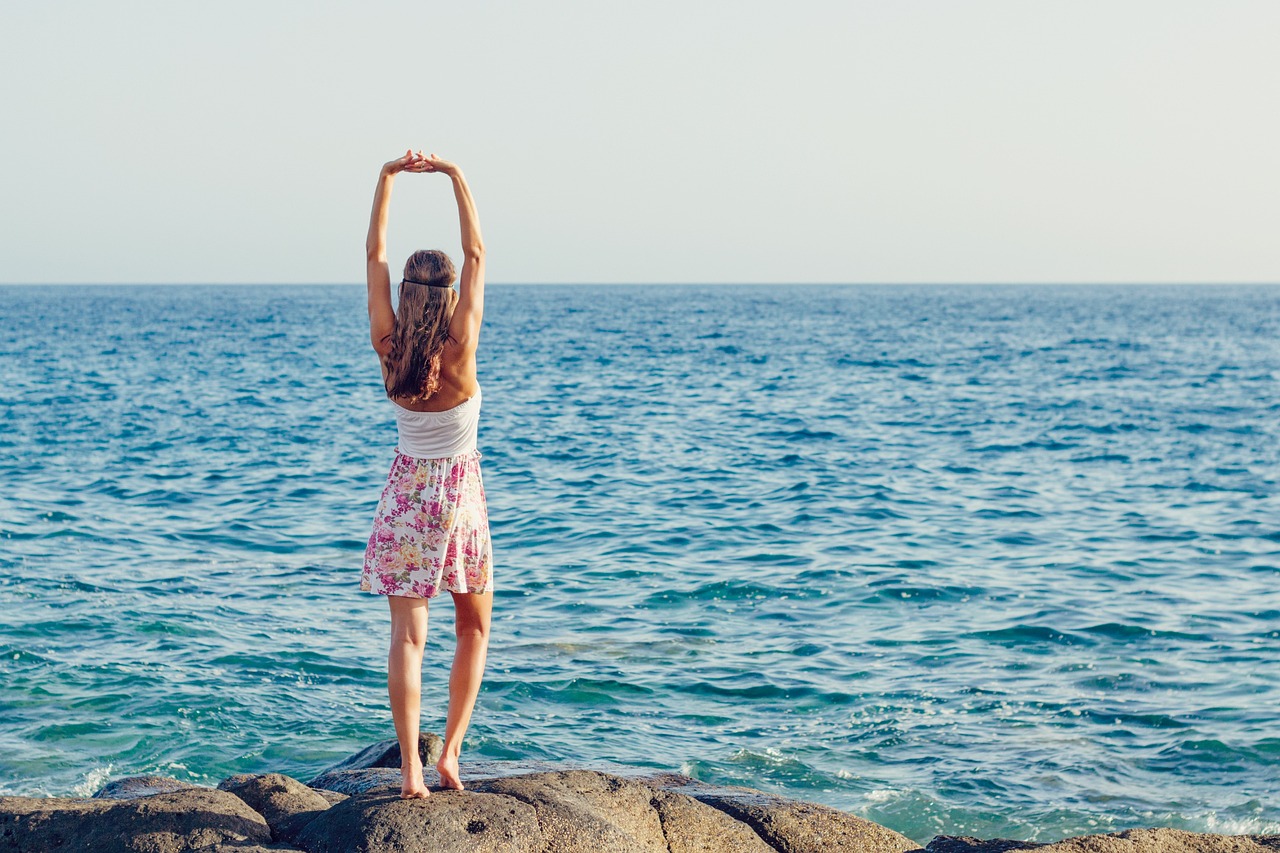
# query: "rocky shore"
{"points": [[355, 807]]}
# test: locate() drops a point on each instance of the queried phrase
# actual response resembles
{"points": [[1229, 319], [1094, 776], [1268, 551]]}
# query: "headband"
{"points": [[425, 283]]}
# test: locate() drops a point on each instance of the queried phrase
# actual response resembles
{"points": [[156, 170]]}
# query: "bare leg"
{"points": [[472, 612], [404, 684]]}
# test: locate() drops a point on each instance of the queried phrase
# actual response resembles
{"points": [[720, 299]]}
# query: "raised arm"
{"points": [[465, 325], [382, 318]]}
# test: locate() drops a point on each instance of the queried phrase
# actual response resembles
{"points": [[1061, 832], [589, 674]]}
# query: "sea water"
{"points": [[987, 560]]}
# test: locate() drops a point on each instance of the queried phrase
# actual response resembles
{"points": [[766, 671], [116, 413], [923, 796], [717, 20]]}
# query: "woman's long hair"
{"points": [[422, 326]]}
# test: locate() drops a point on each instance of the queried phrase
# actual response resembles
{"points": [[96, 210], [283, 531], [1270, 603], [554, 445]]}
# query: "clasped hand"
{"points": [[419, 162]]}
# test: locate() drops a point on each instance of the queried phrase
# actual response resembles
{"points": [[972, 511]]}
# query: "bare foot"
{"points": [[447, 767], [413, 787]]}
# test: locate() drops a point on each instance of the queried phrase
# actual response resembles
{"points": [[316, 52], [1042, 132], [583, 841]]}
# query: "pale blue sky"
{"points": [[654, 142]]}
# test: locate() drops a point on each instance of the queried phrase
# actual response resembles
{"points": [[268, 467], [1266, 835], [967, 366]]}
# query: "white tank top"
{"points": [[435, 435]]}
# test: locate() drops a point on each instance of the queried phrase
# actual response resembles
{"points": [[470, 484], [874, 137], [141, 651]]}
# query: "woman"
{"points": [[431, 529]]}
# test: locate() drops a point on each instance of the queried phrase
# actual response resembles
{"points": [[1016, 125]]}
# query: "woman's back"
{"points": [[457, 381]]}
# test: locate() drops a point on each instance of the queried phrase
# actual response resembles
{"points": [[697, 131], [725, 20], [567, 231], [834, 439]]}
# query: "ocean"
{"points": [[983, 560]]}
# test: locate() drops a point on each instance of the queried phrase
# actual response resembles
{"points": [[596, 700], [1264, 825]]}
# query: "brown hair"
{"points": [[422, 326]]}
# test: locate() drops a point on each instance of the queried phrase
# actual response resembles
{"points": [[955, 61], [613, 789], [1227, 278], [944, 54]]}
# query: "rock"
{"points": [[549, 812], [132, 787], [377, 766], [539, 807], [793, 826], [587, 811], [969, 844], [694, 827], [352, 782], [493, 769], [285, 803], [386, 753], [445, 822], [195, 818], [248, 848], [332, 796], [1128, 841]]}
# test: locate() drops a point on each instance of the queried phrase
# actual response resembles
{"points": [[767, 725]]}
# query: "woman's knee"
{"points": [[471, 632], [471, 615], [409, 637]]}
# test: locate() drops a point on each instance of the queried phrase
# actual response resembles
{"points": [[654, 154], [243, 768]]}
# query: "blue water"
{"points": [[989, 560]]}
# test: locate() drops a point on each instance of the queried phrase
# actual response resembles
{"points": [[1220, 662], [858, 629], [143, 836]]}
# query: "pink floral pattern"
{"points": [[431, 530]]}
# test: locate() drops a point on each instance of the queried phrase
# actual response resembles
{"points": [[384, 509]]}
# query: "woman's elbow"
{"points": [[474, 252]]}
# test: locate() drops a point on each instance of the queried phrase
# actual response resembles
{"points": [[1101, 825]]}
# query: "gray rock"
{"points": [[493, 769], [445, 822], [540, 807], [583, 811], [694, 827], [194, 818], [352, 782], [132, 787], [792, 826], [550, 812], [386, 753], [248, 847], [332, 796], [588, 810], [969, 844], [285, 803], [1129, 841]]}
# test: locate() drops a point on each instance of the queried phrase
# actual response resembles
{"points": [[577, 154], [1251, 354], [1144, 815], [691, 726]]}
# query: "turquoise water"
{"points": [[961, 559]]}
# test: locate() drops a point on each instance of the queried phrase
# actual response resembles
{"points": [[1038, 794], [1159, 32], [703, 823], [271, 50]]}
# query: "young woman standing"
{"points": [[431, 528]]}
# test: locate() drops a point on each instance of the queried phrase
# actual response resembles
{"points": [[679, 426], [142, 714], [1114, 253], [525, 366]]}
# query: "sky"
{"points": [[692, 141]]}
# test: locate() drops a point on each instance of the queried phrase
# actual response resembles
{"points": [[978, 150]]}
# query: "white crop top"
{"points": [[434, 435]]}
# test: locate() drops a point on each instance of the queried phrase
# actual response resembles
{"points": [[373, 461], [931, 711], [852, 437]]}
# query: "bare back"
{"points": [[458, 381]]}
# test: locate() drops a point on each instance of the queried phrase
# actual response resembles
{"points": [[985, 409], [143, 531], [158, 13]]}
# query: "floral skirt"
{"points": [[431, 530]]}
